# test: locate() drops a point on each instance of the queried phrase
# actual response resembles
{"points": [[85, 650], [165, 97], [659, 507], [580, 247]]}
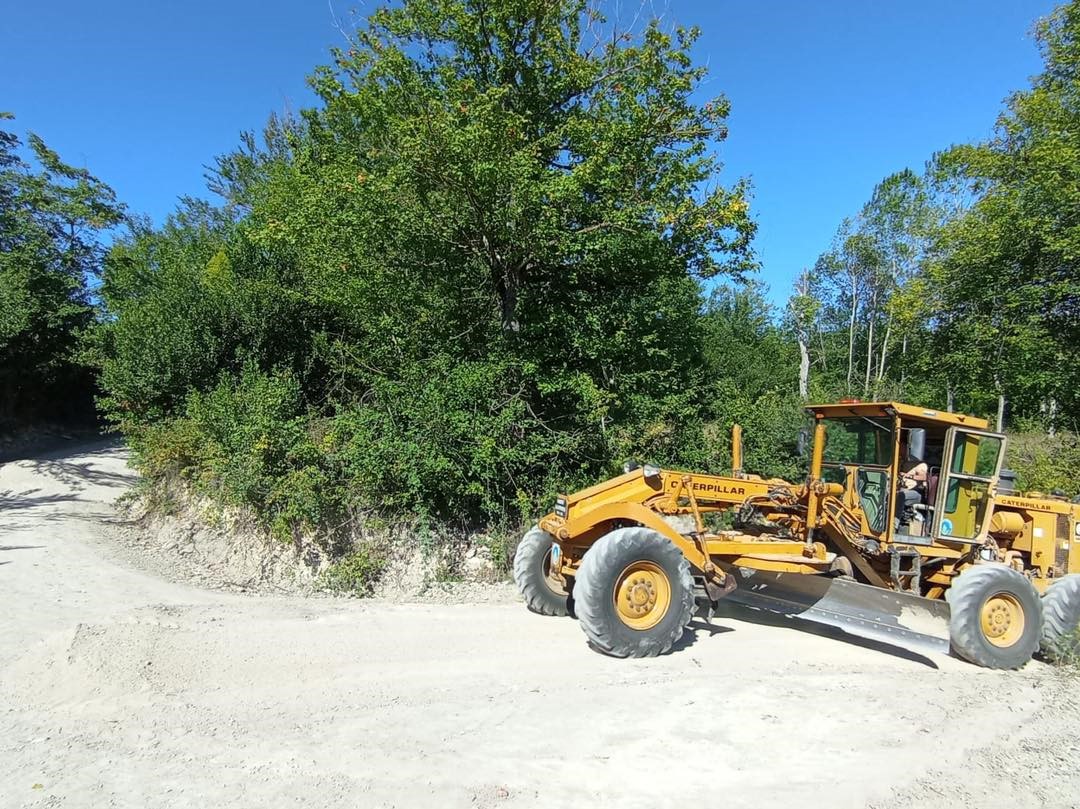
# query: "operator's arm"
{"points": [[917, 474]]}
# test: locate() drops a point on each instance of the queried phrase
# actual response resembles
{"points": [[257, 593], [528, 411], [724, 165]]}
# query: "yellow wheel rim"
{"points": [[1002, 619], [642, 595]]}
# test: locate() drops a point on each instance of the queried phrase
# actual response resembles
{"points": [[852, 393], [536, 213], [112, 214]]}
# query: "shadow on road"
{"points": [[77, 475], [50, 446], [738, 612], [17, 548], [11, 500], [73, 475]]}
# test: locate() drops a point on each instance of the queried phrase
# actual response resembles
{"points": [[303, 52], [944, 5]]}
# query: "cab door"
{"points": [[969, 474]]}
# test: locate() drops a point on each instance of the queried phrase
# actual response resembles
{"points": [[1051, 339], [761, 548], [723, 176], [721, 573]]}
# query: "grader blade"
{"points": [[889, 616]]}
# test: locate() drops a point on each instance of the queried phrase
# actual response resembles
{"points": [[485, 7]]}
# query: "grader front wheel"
{"points": [[996, 618], [634, 593]]}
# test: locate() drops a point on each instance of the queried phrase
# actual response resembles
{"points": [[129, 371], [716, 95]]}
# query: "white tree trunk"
{"points": [[884, 351], [804, 368], [903, 365], [869, 348], [1001, 413], [851, 336]]}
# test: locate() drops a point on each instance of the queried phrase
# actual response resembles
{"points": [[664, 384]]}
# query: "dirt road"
{"points": [[123, 689]]}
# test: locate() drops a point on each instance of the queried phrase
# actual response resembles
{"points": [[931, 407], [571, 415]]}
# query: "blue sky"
{"points": [[828, 97]]}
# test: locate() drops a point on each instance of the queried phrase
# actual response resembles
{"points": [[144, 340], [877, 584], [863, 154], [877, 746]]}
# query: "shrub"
{"points": [[1045, 462], [355, 574]]}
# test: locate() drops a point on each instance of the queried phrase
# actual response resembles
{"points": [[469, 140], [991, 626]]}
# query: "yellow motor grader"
{"points": [[904, 530]]}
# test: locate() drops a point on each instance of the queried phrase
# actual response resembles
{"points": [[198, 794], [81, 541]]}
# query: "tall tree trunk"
{"points": [[507, 287], [903, 363], [949, 399], [804, 368], [869, 347], [1048, 410], [884, 350], [851, 336], [803, 333], [1001, 412]]}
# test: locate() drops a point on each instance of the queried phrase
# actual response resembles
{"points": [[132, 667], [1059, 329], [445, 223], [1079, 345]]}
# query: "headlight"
{"points": [[630, 466], [560, 507], [651, 471]]}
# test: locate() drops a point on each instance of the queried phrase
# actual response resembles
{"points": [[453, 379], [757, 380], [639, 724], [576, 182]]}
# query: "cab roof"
{"points": [[909, 413]]}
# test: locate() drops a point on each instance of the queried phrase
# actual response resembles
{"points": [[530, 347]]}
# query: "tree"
{"points": [[802, 312], [479, 261], [850, 270], [901, 219], [52, 220], [874, 279], [1008, 281]]}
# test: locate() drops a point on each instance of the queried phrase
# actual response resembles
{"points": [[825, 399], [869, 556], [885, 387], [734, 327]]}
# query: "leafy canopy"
{"points": [[473, 272], [53, 217]]}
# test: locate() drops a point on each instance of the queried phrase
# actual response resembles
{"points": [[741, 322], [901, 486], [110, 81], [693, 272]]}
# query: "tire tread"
{"points": [[528, 575], [593, 578], [1061, 611]]}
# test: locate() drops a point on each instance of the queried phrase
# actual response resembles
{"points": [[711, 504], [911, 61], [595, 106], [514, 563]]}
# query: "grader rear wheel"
{"points": [[997, 619], [634, 594], [532, 573]]}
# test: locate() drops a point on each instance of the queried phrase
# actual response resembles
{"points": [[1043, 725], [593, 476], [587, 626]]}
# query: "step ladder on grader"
{"points": [[963, 564]]}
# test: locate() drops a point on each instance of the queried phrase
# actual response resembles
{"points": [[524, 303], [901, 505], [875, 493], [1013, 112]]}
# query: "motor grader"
{"points": [[971, 567]]}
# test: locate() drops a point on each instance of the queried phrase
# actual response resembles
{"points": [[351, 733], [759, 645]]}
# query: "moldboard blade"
{"points": [[900, 619]]}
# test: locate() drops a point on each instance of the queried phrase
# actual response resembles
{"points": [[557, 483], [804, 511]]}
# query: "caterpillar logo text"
{"points": [[718, 488]]}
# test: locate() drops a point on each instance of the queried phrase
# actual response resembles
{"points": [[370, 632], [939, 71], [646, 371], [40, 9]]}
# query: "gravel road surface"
{"points": [[123, 688]]}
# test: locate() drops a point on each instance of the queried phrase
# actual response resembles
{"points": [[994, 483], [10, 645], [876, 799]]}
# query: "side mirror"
{"points": [[801, 442], [916, 444]]}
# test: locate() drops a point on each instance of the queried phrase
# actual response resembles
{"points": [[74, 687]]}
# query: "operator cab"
{"points": [[890, 457]]}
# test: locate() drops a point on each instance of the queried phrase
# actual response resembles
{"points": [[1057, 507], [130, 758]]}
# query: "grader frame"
{"points": [[833, 546]]}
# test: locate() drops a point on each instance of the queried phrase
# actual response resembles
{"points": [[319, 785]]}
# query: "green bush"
{"points": [[355, 574], [248, 442], [1045, 462]]}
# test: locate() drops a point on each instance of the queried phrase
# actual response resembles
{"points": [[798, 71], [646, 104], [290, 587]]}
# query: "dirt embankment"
{"points": [[187, 538], [125, 688]]}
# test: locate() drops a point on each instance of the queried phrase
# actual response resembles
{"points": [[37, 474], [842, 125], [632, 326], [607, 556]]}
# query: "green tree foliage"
{"points": [[471, 275], [961, 288], [870, 287], [52, 219], [751, 363], [1047, 463], [476, 273], [1008, 283]]}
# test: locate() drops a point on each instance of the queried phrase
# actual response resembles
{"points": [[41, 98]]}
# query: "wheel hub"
{"points": [[642, 595], [1002, 619]]}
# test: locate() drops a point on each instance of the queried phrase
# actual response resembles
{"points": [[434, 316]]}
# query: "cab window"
{"points": [[858, 441]]}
